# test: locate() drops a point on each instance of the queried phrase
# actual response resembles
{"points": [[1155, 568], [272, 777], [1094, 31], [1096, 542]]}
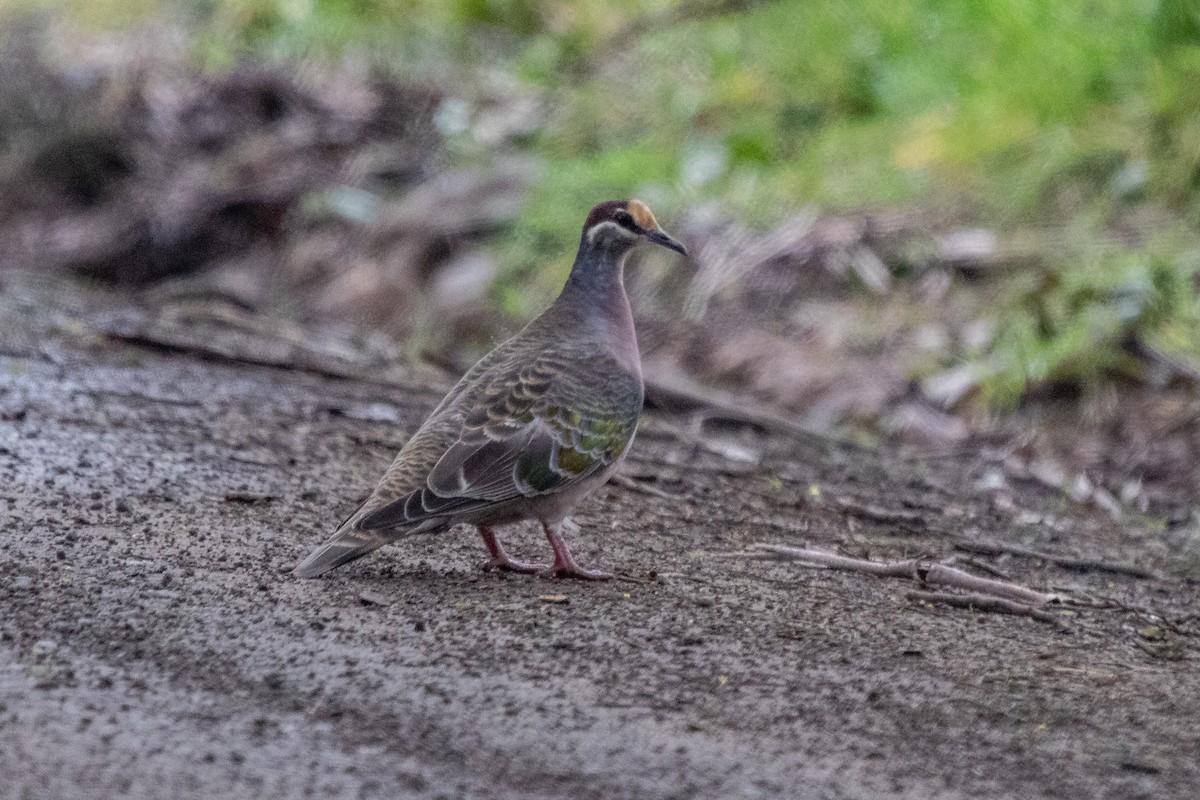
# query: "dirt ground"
{"points": [[153, 642]]}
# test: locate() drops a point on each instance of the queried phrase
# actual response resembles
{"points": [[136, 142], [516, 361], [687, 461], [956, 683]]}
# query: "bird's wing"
{"points": [[528, 429]]}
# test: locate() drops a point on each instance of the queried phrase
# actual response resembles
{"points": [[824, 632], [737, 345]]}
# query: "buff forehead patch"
{"points": [[642, 215]]}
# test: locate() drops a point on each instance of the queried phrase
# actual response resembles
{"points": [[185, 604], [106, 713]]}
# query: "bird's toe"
{"points": [[575, 571], [513, 565]]}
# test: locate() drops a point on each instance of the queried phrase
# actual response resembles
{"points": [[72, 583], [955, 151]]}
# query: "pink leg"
{"points": [[565, 565], [500, 559]]}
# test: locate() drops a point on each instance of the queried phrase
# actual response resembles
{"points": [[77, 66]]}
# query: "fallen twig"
{"points": [[671, 390], [1066, 562], [630, 482], [982, 566], [984, 602], [922, 570], [173, 401], [262, 350], [914, 520], [1073, 598]]}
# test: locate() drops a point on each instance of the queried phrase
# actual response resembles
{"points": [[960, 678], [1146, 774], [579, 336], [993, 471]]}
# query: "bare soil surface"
{"points": [[156, 488]]}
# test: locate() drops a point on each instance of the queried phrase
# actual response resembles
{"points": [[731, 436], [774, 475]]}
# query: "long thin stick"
{"points": [[923, 570], [1066, 562], [670, 389], [983, 602]]}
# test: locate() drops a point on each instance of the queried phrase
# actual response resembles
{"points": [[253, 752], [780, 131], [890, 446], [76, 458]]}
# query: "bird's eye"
{"points": [[623, 218]]}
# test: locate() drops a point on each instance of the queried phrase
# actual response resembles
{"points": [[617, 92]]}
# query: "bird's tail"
{"points": [[358, 536], [344, 546], [351, 542]]}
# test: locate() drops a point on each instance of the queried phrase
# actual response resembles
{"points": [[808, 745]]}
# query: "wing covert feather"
{"points": [[520, 428]]}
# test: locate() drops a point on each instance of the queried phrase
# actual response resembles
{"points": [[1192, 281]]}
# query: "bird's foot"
{"points": [[509, 564], [500, 559], [565, 565], [573, 570]]}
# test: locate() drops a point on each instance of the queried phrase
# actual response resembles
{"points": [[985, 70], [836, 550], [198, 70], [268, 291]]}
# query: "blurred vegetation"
{"points": [[1080, 116], [1110, 315]]}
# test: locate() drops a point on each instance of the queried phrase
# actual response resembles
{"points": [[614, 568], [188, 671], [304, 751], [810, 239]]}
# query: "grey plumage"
{"points": [[530, 430]]}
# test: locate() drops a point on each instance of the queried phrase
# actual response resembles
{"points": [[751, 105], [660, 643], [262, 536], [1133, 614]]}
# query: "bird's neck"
{"points": [[597, 278], [594, 299]]}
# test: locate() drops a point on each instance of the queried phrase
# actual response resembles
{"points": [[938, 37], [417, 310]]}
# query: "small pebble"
{"points": [[373, 599]]}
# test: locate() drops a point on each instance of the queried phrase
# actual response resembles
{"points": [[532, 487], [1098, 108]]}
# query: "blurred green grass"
{"points": [[1076, 115]]}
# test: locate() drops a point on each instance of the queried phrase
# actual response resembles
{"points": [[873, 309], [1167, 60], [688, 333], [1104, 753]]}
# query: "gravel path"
{"points": [[153, 644]]}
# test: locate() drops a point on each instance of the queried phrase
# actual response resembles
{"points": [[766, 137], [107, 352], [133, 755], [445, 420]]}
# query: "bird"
{"points": [[533, 428]]}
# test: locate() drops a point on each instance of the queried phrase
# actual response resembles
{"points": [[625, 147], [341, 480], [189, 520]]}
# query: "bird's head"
{"points": [[620, 224]]}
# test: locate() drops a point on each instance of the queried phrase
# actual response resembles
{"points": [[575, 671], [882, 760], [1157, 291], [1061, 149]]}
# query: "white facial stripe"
{"points": [[628, 234]]}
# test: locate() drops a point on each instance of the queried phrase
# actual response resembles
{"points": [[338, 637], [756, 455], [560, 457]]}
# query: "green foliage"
{"points": [[1029, 111], [1083, 322], [1014, 114], [1025, 108]]}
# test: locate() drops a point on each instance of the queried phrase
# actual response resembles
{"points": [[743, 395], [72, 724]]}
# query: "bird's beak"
{"points": [[659, 236]]}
